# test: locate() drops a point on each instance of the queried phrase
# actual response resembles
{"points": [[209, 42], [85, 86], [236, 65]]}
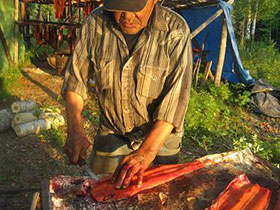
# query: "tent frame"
{"points": [[224, 35]]}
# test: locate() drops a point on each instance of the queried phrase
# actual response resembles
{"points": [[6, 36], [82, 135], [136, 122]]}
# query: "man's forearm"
{"points": [[74, 107], [76, 143], [156, 138]]}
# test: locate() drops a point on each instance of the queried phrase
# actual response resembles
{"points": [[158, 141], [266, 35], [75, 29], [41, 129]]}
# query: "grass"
{"points": [[263, 62], [212, 119], [214, 123], [9, 76], [215, 117], [8, 79]]}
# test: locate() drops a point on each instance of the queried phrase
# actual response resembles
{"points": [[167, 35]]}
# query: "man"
{"points": [[139, 55]]}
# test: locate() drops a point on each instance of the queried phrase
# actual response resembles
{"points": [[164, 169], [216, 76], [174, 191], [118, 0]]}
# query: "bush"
{"points": [[8, 79], [212, 120], [263, 61], [9, 76]]}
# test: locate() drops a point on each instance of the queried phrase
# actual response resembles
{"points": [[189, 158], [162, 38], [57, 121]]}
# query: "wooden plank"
{"points": [[211, 76], [40, 22], [81, 4], [206, 72], [222, 54], [208, 21], [45, 195], [22, 11], [35, 201], [16, 26], [6, 48]]}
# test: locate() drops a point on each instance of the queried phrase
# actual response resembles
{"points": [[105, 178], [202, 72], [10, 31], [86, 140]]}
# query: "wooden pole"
{"points": [[6, 48], [35, 201], [208, 21], [16, 20], [222, 54], [206, 72], [22, 11]]}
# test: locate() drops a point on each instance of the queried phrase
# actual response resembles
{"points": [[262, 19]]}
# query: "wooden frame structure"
{"points": [[68, 17], [43, 30], [223, 43]]}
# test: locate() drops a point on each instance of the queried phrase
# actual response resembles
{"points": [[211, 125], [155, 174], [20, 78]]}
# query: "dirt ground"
{"points": [[26, 161]]}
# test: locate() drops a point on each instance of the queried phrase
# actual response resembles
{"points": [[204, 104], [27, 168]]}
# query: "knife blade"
{"points": [[91, 174]]}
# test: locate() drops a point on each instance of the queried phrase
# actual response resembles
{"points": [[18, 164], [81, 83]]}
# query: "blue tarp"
{"points": [[233, 70]]}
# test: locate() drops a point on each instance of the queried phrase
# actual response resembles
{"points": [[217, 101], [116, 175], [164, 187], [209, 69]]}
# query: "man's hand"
{"points": [[76, 147], [137, 162], [133, 164], [77, 143]]}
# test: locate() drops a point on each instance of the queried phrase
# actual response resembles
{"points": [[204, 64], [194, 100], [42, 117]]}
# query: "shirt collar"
{"points": [[157, 20]]}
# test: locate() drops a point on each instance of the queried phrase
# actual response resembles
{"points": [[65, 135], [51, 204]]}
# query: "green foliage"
{"points": [[45, 12], [266, 9], [91, 118], [10, 75], [41, 52], [275, 147], [241, 95], [260, 147], [215, 123], [8, 79], [56, 136], [37, 112], [263, 62], [212, 119]]}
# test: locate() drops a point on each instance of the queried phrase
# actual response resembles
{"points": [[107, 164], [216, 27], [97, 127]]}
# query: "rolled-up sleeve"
{"points": [[78, 68], [176, 94]]}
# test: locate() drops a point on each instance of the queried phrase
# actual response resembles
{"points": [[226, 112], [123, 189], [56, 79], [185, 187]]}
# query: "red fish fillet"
{"points": [[241, 194], [104, 191]]}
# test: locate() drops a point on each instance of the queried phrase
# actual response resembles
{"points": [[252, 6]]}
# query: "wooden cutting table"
{"points": [[194, 191]]}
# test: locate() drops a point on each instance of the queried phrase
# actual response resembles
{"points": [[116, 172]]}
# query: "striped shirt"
{"points": [[134, 90]]}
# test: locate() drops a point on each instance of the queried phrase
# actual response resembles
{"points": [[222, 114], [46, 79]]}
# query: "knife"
{"points": [[91, 174]]}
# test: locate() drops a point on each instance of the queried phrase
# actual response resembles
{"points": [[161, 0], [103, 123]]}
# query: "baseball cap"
{"points": [[124, 5]]}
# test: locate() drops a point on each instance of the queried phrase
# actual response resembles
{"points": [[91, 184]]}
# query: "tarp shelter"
{"points": [[198, 14]]}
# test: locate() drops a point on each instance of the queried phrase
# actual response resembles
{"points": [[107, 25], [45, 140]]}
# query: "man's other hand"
{"points": [[76, 147], [138, 161], [133, 164]]}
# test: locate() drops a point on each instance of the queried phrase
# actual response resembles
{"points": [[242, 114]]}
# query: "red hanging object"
{"points": [[71, 36], [62, 7], [85, 9], [56, 7], [70, 9], [53, 37], [59, 6], [46, 34], [88, 8], [60, 36], [37, 32]]}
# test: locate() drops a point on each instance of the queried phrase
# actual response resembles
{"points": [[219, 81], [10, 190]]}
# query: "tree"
{"points": [[249, 12]]}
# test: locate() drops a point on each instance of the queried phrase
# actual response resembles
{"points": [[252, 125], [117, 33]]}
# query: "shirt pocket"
{"points": [[150, 81], [104, 74]]}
